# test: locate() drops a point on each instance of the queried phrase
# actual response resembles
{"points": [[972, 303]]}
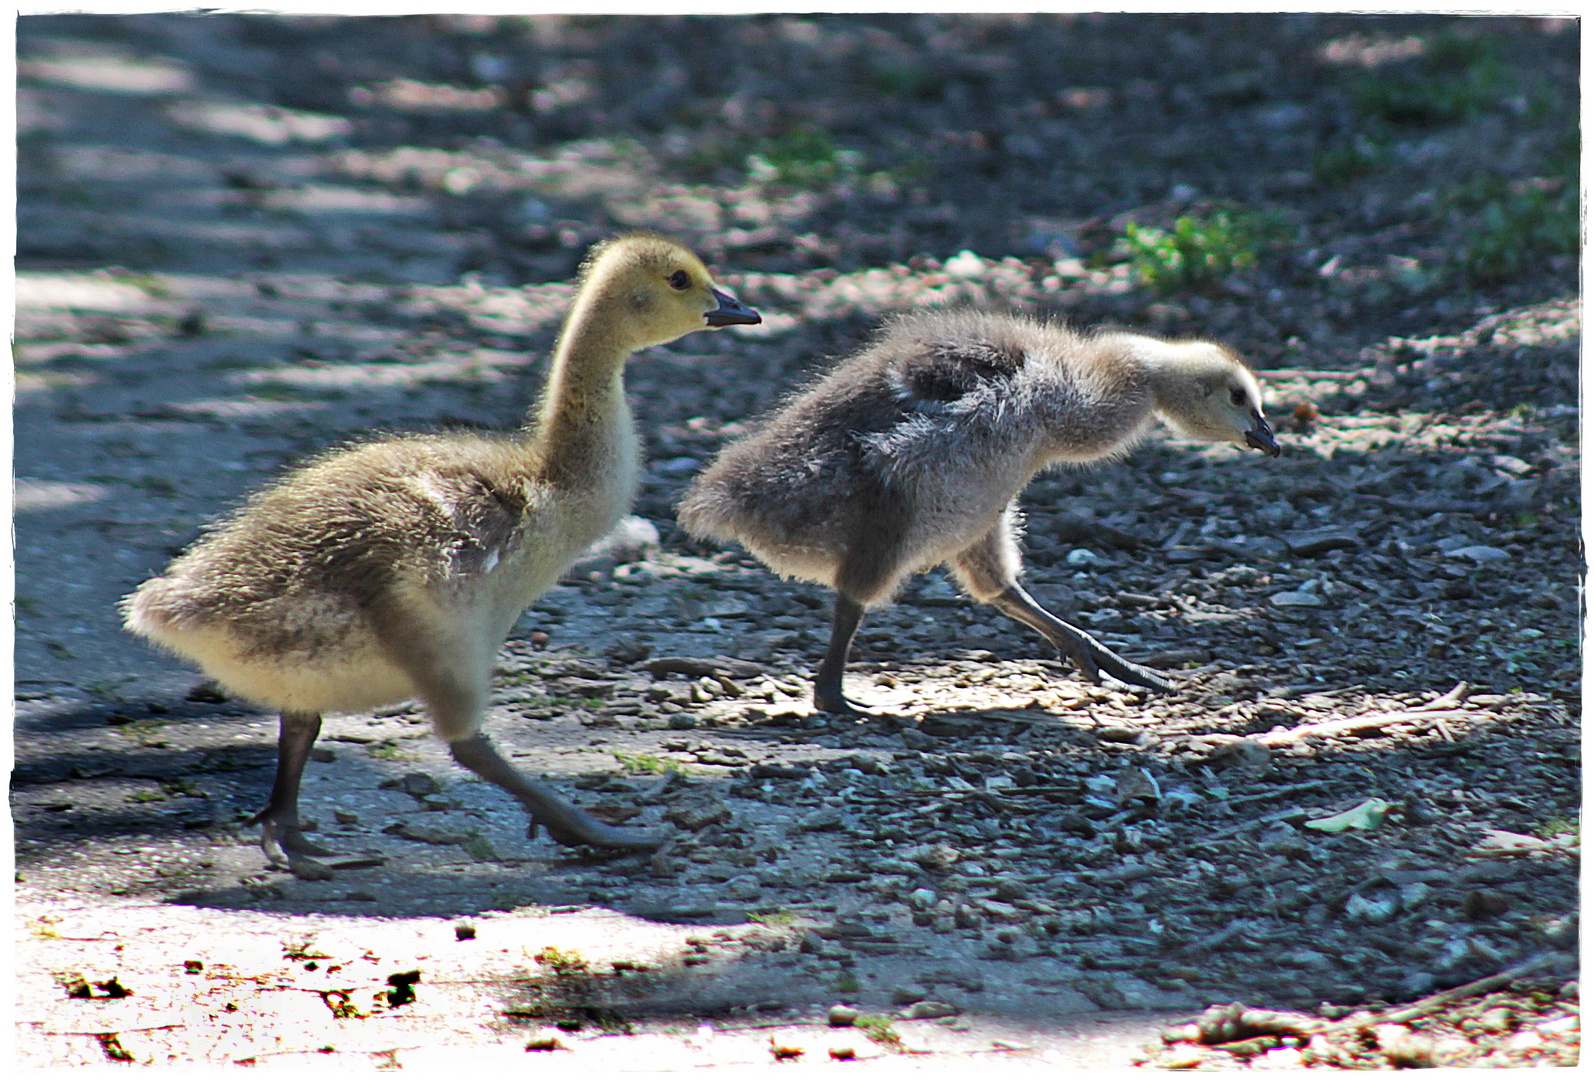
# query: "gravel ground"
{"points": [[244, 239]]}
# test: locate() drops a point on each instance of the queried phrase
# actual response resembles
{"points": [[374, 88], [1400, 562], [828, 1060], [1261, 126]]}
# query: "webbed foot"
{"points": [[286, 847], [839, 704]]}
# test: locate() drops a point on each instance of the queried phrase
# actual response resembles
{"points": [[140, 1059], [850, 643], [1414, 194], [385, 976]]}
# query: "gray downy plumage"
{"points": [[911, 454]]}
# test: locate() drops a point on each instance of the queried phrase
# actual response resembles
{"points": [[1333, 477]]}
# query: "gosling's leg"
{"points": [[1087, 653], [281, 838], [989, 572], [566, 824], [452, 678], [828, 696], [867, 572]]}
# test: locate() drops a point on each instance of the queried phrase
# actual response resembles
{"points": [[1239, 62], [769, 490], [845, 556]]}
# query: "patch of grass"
{"points": [[1556, 825], [847, 983], [1198, 251], [879, 1030], [145, 732], [780, 917], [1457, 77], [146, 797], [805, 157], [389, 750], [177, 787], [646, 763]]}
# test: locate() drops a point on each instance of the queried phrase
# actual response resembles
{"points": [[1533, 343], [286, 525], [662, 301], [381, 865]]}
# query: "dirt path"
{"points": [[242, 240]]}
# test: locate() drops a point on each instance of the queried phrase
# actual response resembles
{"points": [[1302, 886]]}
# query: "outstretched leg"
{"points": [[566, 824], [455, 690], [989, 571], [828, 696], [281, 838]]}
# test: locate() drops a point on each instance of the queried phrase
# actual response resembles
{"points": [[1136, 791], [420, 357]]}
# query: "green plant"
{"points": [[879, 1030], [1198, 250], [778, 917], [806, 156], [1516, 222], [388, 750], [645, 763], [177, 787], [146, 797]]}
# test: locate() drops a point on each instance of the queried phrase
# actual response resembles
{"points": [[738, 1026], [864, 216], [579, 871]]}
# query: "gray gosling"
{"points": [[911, 453], [395, 569]]}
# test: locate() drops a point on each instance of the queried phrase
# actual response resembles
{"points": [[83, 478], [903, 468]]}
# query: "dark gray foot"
{"points": [[1089, 656], [287, 847], [1105, 659], [566, 824], [572, 826], [835, 702]]}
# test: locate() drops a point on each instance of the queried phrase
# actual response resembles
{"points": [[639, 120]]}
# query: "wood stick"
{"points": [[1356, 723], [1457, 993]]}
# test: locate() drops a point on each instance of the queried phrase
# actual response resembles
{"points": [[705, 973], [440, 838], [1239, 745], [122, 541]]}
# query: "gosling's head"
{"points": [[653, 290], [1206, 392]]}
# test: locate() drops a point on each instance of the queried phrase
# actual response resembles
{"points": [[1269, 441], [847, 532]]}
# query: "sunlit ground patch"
{"points": [[35, 495], [106, 71]]}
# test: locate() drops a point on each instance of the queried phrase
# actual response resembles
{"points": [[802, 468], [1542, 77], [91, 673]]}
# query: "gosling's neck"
{"points": [[582, 425], [1160, 364]]}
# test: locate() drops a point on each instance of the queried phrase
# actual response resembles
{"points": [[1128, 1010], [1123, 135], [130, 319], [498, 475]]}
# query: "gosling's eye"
{"points": [[679, 280], [1237, 396]]}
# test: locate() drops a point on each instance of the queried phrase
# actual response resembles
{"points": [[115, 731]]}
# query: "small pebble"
{"points": [[841, 1016]]}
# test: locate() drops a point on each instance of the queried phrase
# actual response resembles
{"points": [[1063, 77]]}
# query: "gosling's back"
{"points": [[933, 428]]}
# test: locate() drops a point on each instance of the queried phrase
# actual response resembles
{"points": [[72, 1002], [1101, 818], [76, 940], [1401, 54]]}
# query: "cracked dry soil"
{"points": [[244, 239]]}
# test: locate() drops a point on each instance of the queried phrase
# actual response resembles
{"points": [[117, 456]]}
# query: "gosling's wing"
{"points": [[945, 373]]}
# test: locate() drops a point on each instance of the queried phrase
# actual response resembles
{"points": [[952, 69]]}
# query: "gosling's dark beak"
{"points": [[731, 312], [1261, 437]]}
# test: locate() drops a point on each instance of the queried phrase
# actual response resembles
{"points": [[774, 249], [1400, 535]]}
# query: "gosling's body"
{"points": [[910, 455], [395, 569], [446, 538]]}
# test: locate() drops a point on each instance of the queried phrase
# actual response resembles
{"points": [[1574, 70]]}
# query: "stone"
{"points": [[1498, 1020], [426, 835], [745, 887], [694, 816], [1320, 541], [937, 858], [1406, 1049], [417, 784], [825, 819], [908, 994], [841, 1016], [1479, 553], [930, 1010], [1296, 599]]}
